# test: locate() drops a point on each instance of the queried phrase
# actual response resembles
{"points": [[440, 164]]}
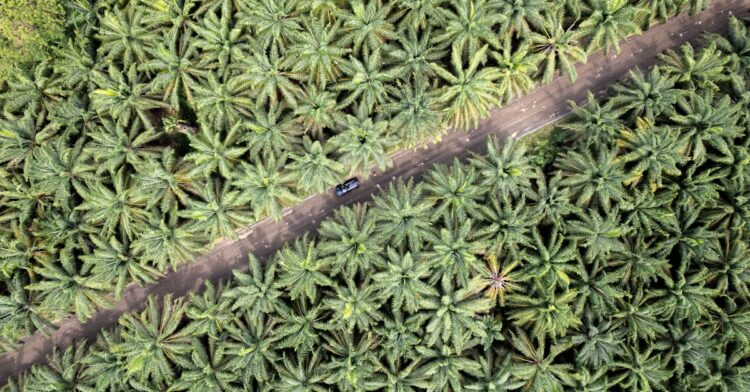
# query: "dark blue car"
{"points": [[348, 186]]}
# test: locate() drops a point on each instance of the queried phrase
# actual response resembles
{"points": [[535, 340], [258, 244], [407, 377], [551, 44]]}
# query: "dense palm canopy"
{"points": [[157, 127], [621, 264]]}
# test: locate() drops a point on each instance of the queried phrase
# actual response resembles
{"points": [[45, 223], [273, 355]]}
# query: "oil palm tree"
{"points": [[495, 375], [703, 69], [551, 198], [550, 259], [728, 270], [208, 369], [656, 153], [106, 369], [63, 227], [403, 215], [419, 14], [685, 296], [365, 82], [272, 21], [69, 286], [599, 235], [64, 372], [660, 10], [317, 110], [35, 90], [608, 23], [537, 367], [508, 225], [22, 311], [122, 95], [270, 132], [300, 327], [643, 370], [175, 73], [210, 314], [164, 241], [20, 251], [113, 146], [76, 61], [593, 181], [354, 306], [119, 207], [303, 270], [452, 315], [115, 259], [413, 113], [735, 44], [318, 51], [638, 317], [556, 48], [597, 288], [222, 103], [522, 16], [412, 56], [690, 349], [250, 348], [724, 372], [499, 279], [212, 152], [222, 210], [708, 122], [545, 312], [597, 344], [469, 26], [152, 343], [648, 96], [403, 282], [601, 122], [454, 255], [367, 24], [504, 171], [648, 213], [256, 293], [364, 141], [399, 337], [167, 181], [124, 36], [267, 186], [470, 91], [516, 68], [300, 372], [20, 138], [444, 368], [221, 43], [270, 77], [58, 169], [352, 363], [351, 241], [169, 16], [454, 191], [313, 168]]}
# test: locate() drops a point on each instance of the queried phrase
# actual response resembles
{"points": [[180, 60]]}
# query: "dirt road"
{"points": [[521, 116]]}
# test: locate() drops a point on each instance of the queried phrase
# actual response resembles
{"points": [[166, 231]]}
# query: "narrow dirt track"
{"points": [[544, 105]]}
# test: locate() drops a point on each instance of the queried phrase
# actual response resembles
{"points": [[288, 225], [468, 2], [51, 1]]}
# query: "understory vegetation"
{"points": [[159, 126], [620, 264], [28, 28]]}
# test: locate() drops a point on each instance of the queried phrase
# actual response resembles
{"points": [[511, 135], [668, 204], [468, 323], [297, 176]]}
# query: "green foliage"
{"points": [[28, 30], [620, 266], [158, 127]]}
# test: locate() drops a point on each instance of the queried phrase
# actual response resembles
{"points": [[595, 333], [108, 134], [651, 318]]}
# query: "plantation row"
{"points": [[621, 264], [160, 126]]}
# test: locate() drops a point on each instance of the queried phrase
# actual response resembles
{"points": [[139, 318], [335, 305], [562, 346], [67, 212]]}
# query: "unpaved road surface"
{"points": [[521, 116]]}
